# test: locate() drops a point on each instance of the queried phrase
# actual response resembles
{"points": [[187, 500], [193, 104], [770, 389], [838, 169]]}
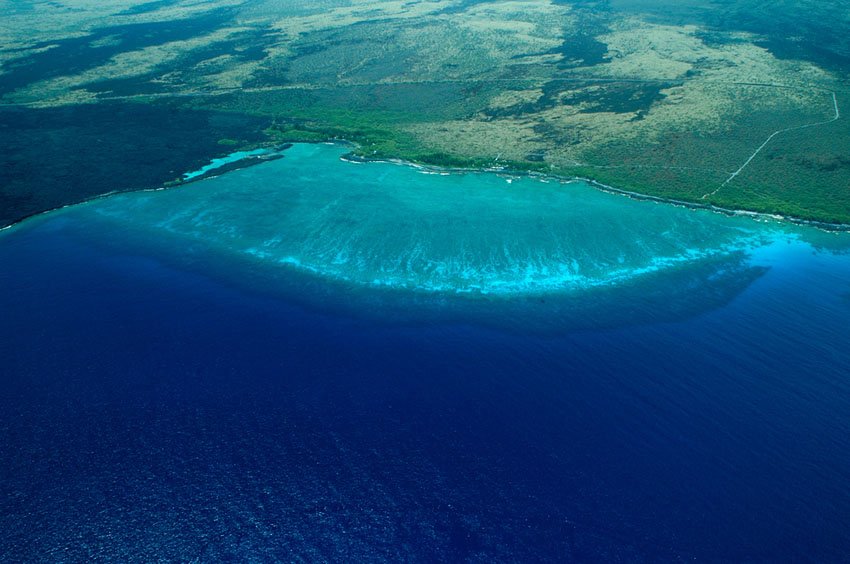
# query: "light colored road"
{"points": [[769, 139]]}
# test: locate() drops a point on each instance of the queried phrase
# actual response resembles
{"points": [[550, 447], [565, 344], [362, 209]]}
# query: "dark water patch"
{"points": [[53, 157], [76, 55]]}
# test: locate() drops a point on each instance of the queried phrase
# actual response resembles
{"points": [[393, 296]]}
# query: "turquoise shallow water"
{"points": [[218, 163], [384, 225], [392, 240], [317, 359]]}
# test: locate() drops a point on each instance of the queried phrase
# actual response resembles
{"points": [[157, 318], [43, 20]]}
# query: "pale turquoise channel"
{"points": [[220, 162]]}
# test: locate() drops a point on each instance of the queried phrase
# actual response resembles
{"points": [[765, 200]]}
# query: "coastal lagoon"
{"points": [[347, 361]]}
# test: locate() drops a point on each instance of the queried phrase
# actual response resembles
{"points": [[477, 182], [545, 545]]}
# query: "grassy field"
{"points": [[664, 100]]}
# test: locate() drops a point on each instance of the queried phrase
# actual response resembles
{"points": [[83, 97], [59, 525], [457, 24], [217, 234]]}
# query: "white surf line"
{"points": [[772, 135]]}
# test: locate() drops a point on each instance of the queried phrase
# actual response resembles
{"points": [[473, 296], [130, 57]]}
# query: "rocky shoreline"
{"points": [[823, 225]]}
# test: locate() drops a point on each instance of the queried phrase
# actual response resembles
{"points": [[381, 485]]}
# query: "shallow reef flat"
{"points": [[381, 224], [339, 234]]}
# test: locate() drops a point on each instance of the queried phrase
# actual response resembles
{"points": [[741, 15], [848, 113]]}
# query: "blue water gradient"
{"points": [[167, 396]]}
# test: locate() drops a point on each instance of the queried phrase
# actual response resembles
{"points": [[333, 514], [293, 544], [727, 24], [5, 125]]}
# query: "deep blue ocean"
{"points": [[173, 389]]}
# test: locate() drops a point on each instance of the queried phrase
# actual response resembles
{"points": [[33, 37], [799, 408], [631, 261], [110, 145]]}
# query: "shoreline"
{"points": [[274, 154], [830, 227], [277, 150]]}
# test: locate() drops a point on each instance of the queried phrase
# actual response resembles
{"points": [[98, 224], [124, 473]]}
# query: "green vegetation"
{"points": [[666, 100]]}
